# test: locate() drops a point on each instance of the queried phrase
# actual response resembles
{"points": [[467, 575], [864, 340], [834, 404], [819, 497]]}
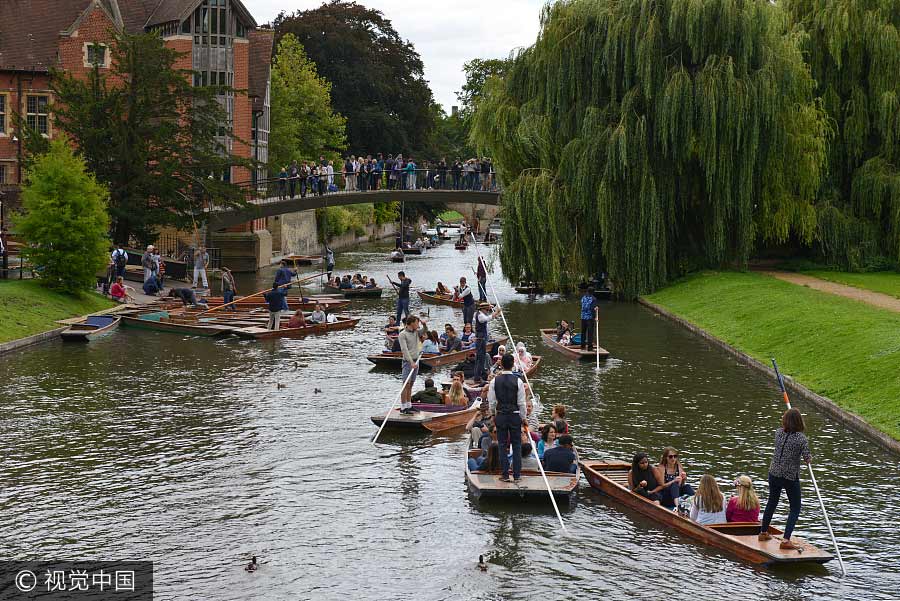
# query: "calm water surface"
{"points": [[185, 451]]}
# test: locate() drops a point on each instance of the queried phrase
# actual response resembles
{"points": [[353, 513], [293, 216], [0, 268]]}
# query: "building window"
{"points": [[2, 170], [96, 55], [36, 114], [2, 113], [186, 26]]}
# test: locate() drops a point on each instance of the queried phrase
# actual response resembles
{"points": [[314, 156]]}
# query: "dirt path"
{"points": [[876, 299]]}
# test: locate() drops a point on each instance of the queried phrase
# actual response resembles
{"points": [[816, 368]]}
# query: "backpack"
{"points": [[121, 260]]}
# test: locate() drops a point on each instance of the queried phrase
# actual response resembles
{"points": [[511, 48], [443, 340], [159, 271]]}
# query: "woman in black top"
{"points": [[791, 446], [642, 479]]}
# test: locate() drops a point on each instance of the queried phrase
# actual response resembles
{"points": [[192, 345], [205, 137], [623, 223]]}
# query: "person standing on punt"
{"points": [[464, 294], [506, 398], [402, 294], [589, 311], [481, 274], [410, 339], [791, 446], [482, 319], [275, 299], [329, 261]]}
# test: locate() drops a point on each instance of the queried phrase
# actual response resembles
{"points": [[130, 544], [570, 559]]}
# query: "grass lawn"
{"points": [[886, 282], [451, 216], [840, 348], [28, 308]]}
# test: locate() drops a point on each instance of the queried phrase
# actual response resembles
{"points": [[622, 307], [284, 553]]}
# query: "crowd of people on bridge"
{"points": [[394, 172]]}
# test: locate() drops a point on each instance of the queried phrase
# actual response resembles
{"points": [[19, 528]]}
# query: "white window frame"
{"points": [[47, 114], [86, 57], [4, 127]]}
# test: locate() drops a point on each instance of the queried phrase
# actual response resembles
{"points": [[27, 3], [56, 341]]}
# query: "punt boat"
{"points": [[432, 296], [93, 326], [413, 250], [354, 292], [531, 487], [459, 246], [294, 303], [430, 417], [304, 260], [738, 538], [161, 322], [572, 351], [457, 356], [262, 333], [392, 359]]}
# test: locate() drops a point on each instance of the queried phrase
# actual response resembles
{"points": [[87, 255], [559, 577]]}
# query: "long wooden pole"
{"points": [[254, 294], [414, 370], [524, 375], [812, 476], [597, 334]]}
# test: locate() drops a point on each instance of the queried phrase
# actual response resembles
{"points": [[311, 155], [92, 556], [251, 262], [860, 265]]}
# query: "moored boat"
{"points": [[572, 351], [160, 322], [93, 326], [531, 487], [737, 538], [354, 292], [433, 418], [294, 303], [529, 288], [262, 333]]}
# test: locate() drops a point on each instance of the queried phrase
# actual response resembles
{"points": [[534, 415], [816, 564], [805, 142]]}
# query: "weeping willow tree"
{"points": [[853, 48], [648, 137]]}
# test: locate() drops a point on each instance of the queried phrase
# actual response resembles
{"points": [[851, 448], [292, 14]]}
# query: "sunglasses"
{"points": [[675, 456]]}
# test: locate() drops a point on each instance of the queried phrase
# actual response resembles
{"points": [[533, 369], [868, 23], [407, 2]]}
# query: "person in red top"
{"points": [[744, 506], [119, 291]]}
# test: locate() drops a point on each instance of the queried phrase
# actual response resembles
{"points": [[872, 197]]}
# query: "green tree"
{"points": [[303, 123], [478, 71], [156, 141], [648, 137], [853, 48], [378, 77], [64, 219]]}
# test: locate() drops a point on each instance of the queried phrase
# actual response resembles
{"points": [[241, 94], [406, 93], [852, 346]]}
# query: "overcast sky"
{"points": [[446, 34]]}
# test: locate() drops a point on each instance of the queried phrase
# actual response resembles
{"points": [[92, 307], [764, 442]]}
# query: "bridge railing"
{"points": [[278, 189]]}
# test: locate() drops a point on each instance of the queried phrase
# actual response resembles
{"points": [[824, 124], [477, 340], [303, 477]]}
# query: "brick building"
{"points": [[221, 41]]}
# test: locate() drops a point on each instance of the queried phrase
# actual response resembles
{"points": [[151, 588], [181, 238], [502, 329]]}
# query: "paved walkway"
{"points": [[876, 299]]}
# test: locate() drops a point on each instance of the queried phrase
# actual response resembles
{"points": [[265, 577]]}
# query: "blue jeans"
{"points": [[509, 431], [480, 356], [228, 296], [402, 308], [669, 495], [468, 313], [792, 488]]}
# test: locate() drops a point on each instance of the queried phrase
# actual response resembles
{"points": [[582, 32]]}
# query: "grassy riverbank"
{"points": [[840, 348], [27, 308], [885, 282]]}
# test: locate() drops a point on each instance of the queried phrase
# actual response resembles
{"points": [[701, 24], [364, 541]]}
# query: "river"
{"points": [[199, 453]]}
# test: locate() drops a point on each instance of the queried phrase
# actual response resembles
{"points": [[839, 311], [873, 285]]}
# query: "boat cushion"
{"points": [[100, 321]]}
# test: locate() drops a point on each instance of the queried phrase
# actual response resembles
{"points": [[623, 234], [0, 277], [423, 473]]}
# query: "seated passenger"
{"points": [[670, 473], [561, 458], [566, 339], [744, 506], [468, 336], [488, 462], [429, 395], [642, 479], [559, 418], [391, 327], [525, 362], [452, 343], [297, 320], [562, 329], [443, 337], [708, 506], [467, 367], [346, 284], [371, 283], [430, 346], [318, 315], [547, 441], [457, 395], [442, 289]]}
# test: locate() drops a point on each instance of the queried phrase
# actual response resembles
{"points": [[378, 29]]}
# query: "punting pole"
{"points": [[236, 300], [515, 354], [396, 400], [812, 475], [597, 334]]}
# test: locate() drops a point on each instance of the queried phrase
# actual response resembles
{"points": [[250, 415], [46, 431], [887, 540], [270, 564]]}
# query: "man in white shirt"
{"points": [[506, 399], [464, 294], [482, 319]]}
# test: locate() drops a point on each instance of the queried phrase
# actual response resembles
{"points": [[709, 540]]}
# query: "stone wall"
{"points": [[297, 235], [484, 213]]}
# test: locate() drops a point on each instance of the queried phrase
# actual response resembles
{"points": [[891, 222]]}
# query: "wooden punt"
{"points": [[572, 351], [93, 326], [294, 303], [304, 259], [530, 488], [391, 359], [398, 258], [433, 418], [470, 384], [532, 289], [457, 356], [160, 322], [737, 538], [413, 251], [355, 292], [432, 296], [262, 333], [459, 246]]}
